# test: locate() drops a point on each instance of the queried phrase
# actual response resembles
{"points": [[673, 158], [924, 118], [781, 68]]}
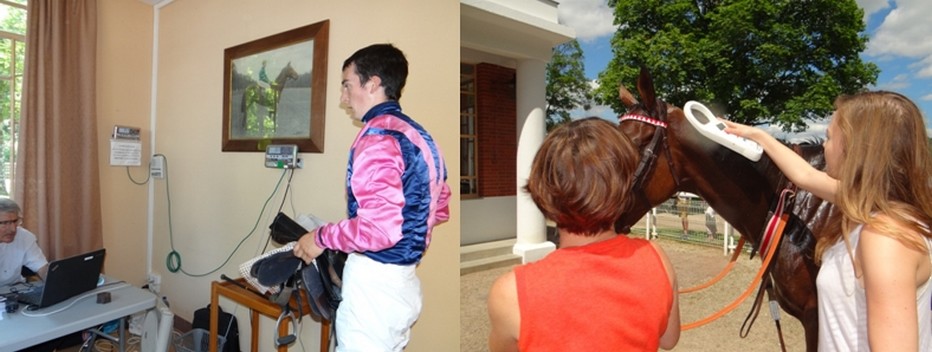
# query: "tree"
{"points": [[567, 86], [777, 61]]}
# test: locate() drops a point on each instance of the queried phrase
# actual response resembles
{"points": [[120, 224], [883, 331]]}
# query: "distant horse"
{"points": [[675, 157], [256, 95]]}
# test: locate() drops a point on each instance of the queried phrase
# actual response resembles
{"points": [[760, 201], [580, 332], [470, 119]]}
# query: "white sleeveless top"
{"points": [[843, 308]]}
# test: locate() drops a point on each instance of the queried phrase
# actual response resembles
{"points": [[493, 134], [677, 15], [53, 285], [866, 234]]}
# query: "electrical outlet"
{"points": [[157, 166], [154, 280]]}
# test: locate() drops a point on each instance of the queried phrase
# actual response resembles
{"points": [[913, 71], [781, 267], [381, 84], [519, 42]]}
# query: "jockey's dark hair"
{"points": [[385, 61]]}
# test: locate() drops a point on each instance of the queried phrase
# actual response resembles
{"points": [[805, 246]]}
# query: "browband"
{"points": [[642, 118]]}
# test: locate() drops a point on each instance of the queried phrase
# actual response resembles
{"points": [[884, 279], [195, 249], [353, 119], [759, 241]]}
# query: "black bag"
{"points": [[284, 230], [226, 326]]}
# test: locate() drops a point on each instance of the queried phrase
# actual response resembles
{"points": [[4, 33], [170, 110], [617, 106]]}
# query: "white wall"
{"points": [[488, 219], [123, 98]]}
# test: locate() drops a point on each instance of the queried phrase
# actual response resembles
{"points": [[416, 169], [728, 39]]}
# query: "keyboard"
{"points": [[31, 296]]}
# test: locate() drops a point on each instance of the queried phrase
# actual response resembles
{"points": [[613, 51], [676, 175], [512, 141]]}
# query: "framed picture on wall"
{"points": [[274, 91]]}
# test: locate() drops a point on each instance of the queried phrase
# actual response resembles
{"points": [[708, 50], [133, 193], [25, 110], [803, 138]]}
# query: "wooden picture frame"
{"points": [[275, 90]]}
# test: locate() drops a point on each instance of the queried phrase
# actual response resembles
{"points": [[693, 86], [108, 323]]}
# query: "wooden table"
{"points": [[258, 304]]}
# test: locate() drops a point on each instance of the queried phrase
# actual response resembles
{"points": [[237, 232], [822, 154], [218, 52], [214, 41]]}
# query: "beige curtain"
{"points": [[57, 180]]}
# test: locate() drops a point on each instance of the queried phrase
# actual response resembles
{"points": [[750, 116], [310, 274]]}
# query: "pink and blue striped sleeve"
{"points": [[376, 183]]}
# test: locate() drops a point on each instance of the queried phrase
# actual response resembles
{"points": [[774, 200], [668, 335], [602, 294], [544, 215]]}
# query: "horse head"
{"points": [[648, 129], [288, 73], [676, 157]]}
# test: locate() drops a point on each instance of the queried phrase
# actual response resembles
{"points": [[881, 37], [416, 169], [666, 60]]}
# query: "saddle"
{"points": [[282, 273]]}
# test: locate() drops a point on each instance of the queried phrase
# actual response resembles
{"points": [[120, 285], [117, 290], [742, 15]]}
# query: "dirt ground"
{"points": [[695, 264]]}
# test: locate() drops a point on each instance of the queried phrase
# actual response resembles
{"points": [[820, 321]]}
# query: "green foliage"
{"points": [[567, 86], [12, 52], [260, 123], [15, 19], [776, 61]]}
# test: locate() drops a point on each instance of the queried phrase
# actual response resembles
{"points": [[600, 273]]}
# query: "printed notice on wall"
{"points": [[125, 152]]}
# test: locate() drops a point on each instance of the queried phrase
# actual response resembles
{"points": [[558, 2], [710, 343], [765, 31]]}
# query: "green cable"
{"points": [[173, 260]]}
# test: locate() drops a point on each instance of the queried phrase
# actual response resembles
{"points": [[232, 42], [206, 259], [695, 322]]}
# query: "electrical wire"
{"points": [[301, 333], [133, 344], [290, 194], [287, 189], [148, 176], [280, 207], [173, 259]]}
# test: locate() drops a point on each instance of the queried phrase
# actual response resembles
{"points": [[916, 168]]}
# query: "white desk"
{"points": [[23, 328]]}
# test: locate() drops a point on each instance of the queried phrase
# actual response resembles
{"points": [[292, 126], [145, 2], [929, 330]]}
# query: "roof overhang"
{"points": [[490, 27]]}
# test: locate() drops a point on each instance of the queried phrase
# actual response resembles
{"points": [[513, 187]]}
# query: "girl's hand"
{"points": [[741, 130]]}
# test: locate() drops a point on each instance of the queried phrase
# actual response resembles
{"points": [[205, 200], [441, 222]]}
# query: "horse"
{"points": [[675, 157], [256, 95]]}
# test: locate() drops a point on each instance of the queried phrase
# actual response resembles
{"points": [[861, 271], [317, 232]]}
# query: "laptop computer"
{"points": [[66, 278]]}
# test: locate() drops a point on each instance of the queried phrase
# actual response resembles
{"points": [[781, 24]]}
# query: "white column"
{"points": [[530, 89]]}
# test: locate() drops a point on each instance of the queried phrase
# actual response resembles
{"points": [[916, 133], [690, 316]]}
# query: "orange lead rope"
{"points": [[721, 274], [777, 224]]}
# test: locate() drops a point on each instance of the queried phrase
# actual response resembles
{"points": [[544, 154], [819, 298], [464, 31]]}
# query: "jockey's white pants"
{"points": [[380, 304]]}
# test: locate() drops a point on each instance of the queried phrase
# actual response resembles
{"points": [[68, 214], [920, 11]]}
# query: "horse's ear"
{"points": [[627, 99], [646, 88]]}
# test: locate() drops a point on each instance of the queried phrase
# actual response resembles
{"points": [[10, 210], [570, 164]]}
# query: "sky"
{"points": [[900, 44]]}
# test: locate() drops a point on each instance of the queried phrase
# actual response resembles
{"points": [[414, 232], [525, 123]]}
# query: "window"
{"points": [[469, 180], [12, 58]]}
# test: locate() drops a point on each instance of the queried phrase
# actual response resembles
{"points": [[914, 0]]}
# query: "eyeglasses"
{"points": [[6, 223]]}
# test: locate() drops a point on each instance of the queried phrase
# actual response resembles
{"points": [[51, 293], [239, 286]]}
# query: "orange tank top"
{"points": [[612, 295]]}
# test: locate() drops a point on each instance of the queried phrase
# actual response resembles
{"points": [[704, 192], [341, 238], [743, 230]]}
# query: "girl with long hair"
{"points": [[876, 259]]}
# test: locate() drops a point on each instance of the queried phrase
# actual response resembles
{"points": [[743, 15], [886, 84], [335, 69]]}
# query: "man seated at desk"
{"points": [[18, 246], [18, 249]]}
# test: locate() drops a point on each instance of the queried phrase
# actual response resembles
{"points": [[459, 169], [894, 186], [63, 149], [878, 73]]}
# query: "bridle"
{"points": [[649, 153]]}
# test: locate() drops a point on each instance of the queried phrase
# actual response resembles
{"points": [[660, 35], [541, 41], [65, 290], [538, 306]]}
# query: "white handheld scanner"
{"points": [[702, 119]]}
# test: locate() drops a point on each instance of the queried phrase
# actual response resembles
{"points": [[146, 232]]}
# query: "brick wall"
{"points": [[497, 130]]}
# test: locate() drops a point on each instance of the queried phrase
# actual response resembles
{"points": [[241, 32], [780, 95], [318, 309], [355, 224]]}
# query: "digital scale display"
{"points": [[282, 156]]}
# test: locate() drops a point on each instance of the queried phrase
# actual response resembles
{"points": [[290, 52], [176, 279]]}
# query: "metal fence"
{"points": [[687, 217]]}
